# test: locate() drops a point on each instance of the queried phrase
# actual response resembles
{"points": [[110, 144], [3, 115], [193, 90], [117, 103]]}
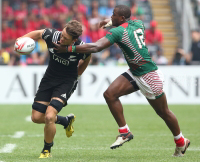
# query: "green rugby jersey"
{"points": [[130, 38]]}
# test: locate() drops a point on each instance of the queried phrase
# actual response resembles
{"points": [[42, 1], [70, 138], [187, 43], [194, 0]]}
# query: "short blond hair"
{"points": [[74, 28]]}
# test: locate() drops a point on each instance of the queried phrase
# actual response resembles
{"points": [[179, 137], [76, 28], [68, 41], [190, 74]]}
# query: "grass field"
{"points": [[95, 131]]}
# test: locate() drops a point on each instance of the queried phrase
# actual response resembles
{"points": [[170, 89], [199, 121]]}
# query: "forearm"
{"points": [[83, 65], [35, 35], [88, 48]]}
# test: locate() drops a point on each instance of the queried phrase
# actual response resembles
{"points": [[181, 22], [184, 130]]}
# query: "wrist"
{"points": [[71, 49]]}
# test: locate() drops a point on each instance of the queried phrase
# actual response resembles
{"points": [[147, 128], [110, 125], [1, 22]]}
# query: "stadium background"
{"points": [[174, 46]]}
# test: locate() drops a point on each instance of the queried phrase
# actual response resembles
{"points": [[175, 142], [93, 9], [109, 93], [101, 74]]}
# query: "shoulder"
{"points": [[116, 30], [49, 31], [50, 34]]}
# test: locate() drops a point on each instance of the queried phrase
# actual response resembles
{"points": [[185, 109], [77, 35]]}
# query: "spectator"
{"points": [[7, 12], [41, 10], [72, 12], [95, 32], [85, 26], [194, 55], [136, 11], [179, 57], [4, 57], [153, 35], [94, 5], [198, 10], [94, 19], [7, 34], [33, 22], [23, 29], [21, 14], [107, 11], [44, 22], [81, 7], [58, 9], [159, 59]]}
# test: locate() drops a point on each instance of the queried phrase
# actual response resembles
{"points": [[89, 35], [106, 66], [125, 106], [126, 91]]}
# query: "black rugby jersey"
{"points": [[61, 65]]}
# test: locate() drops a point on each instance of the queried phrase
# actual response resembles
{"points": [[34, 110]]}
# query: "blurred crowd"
{"points": [[20, 17]]}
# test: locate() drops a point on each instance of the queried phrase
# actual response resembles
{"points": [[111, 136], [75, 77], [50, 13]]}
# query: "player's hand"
{"points": [[104, 22], [60, 48]]}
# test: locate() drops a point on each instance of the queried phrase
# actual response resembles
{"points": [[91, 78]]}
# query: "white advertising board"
{"points": [[18, 85]]}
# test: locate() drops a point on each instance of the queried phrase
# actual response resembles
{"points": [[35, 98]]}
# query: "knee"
{"points": [[107, 95], [110, 95], [50, 118], [35, 118]]}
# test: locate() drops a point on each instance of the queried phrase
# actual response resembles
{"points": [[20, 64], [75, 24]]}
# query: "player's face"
{"points": [[115, 18], [65, 38]]}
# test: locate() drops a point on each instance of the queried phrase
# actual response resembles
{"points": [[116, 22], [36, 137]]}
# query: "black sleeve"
{"points": [[47, 35], [83, 55]]}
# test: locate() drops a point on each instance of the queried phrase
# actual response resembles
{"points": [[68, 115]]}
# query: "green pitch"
{"points": [[95, 131]]}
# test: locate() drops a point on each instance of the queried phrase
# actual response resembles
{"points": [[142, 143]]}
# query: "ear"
{"points": [[122, 19]]}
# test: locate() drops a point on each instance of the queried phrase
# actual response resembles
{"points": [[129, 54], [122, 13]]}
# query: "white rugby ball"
{"points": [[24, 45]]}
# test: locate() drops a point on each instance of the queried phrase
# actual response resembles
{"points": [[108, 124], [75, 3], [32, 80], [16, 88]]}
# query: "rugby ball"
{"points": [[24, 45]]}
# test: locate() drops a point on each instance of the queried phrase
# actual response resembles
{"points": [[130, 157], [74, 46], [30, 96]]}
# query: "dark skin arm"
{"points": [[94, 47], [88, 47]]}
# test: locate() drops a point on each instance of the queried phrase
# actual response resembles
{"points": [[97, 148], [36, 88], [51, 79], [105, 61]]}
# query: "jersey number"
{"points": [[139, 36]]}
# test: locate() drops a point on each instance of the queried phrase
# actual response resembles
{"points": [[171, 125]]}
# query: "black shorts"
{"points": [[63, 91]]}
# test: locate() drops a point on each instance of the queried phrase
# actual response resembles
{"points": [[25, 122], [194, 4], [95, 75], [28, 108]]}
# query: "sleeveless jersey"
{"points": [[130, 38]]}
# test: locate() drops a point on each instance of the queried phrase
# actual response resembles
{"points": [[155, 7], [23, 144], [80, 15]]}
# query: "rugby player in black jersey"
{"points": [[59, 81]]}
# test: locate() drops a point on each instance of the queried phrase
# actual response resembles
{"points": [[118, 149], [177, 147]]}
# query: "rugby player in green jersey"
{"points": [[143, 75]]}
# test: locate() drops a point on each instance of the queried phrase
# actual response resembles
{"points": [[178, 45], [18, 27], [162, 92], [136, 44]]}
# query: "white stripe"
{"points": [[54, 39], [43, 32], [54, 35], [18, 134], [8, 148], [108, 135], [193, 149], [28, 119], [57, 36], [132, 148]]}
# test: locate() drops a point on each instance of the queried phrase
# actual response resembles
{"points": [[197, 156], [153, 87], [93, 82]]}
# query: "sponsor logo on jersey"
{"points": [[50, 30], [109, 33], [60, 60], [72, 58], [63, 95], [46, 37], [51, 50]]}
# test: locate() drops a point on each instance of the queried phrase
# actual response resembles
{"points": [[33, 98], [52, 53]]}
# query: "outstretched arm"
{"points": [[85, 48], [92, 47], [36, 34]]}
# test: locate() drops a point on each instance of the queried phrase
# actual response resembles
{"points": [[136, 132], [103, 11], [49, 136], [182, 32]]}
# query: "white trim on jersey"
{"points": [[82, 43], [44, 32], [55, 36]]}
